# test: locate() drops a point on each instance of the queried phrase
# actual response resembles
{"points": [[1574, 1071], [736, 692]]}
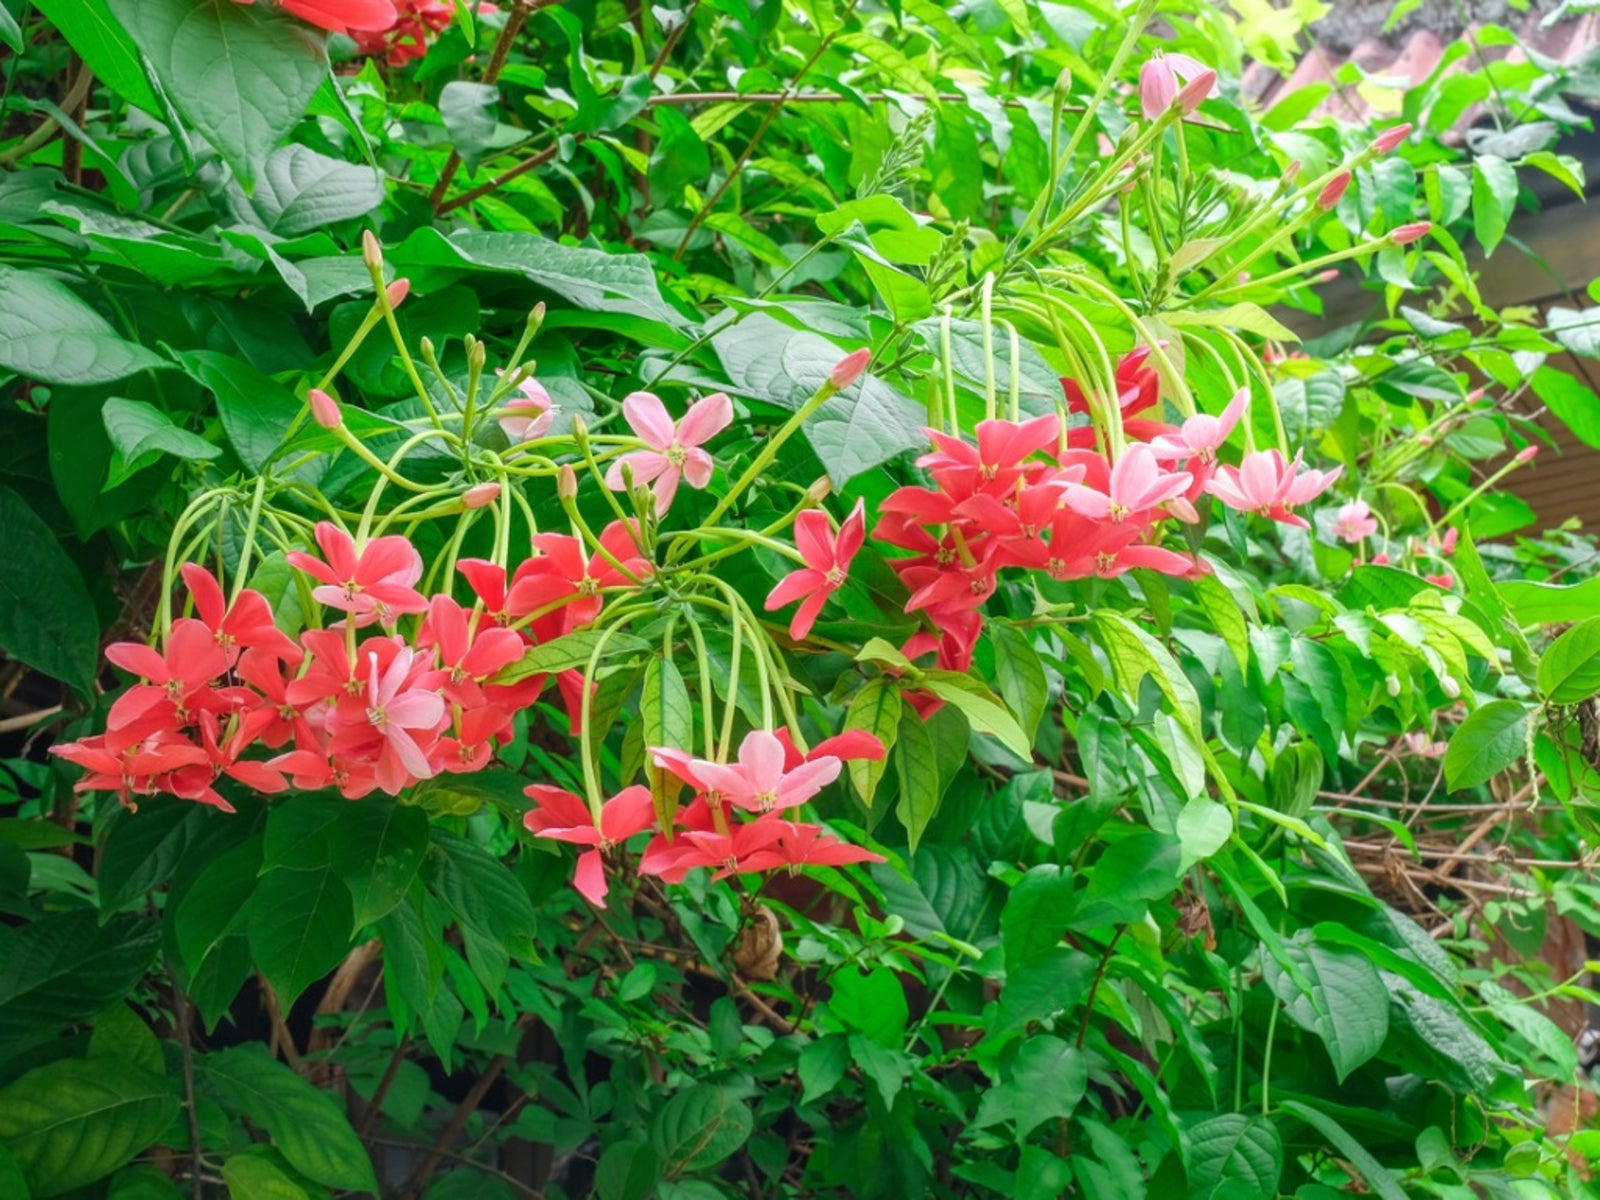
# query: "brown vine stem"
{"points": [[384, 1084], [521, 10]]}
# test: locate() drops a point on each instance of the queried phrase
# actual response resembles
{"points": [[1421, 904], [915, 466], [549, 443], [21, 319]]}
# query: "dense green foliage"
{"points": [[1181, 893]]}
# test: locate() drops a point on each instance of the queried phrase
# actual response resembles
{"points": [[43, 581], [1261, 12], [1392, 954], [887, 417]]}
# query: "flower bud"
{"points": [[371, 252], [1392, 685], [1390, 138], [1449, 687], [819, 491], [1327, 274], [1333, 190], [397, 292], [1407, 234], [1380, 560], [849, 368], [567, 482], [536, 317], [1292, 171], [477, 353], [1528, 453], [480, 495], [324, 409], [1196, 90]]}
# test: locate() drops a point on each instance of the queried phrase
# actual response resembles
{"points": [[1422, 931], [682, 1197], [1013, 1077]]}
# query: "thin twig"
{"points": [[186, 1041], [510, 1180]]}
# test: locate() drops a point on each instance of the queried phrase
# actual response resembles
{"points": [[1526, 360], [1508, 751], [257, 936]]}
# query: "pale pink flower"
{"points": [[1202, 435], [758, 781], [1264, 483], [1355, 522], [673, 452], [527, 416], [1161, 77], [1137, 485], [398, 711]]}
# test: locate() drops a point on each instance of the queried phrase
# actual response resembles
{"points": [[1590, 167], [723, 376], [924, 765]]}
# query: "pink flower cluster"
{"points": [[357, 713], [736, 823], [1037, 495], [416, 23]]}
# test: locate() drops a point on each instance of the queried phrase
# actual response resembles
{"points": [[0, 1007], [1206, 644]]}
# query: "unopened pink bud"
{"points": [[1196, 90], [1327, 275], [567, 482], [1407, 234], [1476, 394], [849, 368], [1380, 560], [397, 292], [1333, 190], [481, 494], [324, 409], [1527, 454], [1425, 439], [371, 252], [1292, 171], [1391, 137]]}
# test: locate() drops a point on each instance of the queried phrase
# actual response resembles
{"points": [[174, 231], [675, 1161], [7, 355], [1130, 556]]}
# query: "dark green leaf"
{"points": [[1234, 1156], [1377, 1176], [874, 708], [700, 1127], [47, 619], [67, 967], [1339, 997], [377, 849], [300, 924], [917, 770], [47, 333]]}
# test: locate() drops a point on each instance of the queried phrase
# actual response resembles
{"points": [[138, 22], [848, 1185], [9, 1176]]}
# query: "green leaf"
{"points": [[47, 619], [1048, 1078], [470, 114], [668, 721], [945, 893], [917, 766], [1203, 828], [1309, 406], [257, 1177], [1019, 674], [981, 707], [1339, 996], [306, 1124], [895, 68], [496, 917], [105, 47], [1234, 1156], [377, 848], [570, 651], [700, 1127], [1486, 743], [861, 427], [300, 924], [256, 409], [1226, 617], [1251, 318], [1550, 603], [1494, 199], [214, 905], [822, 1065], [627, 1170], [142, 433], [240, 75], [70, 1123], [1036, 914], [1134, 654], [1570, 400], [301, 191], [67, 967], [47, 333], [1377, 1176], [871, 1003], [1569, 669], [874, 708]]}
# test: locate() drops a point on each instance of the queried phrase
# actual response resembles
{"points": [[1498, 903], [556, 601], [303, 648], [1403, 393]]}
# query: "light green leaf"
{"points": [[1019, 674], [1251, 318], [1235, 1156], [982, 708], [875, 708], [301, 191], [667, 719], [1494, 199], [570, 651], [1486, 743], [1569, 669]]}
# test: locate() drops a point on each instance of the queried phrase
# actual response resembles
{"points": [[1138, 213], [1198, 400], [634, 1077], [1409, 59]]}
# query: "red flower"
{"points": [[467, 656], [759, 781], [566, 818], [246, 623], [376, 583], [827, 556], [340, 16], [561, 578], [177, 679]]}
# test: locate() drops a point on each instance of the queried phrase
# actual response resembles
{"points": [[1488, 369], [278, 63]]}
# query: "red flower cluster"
{"points": [[361, 714], [407, 37], [1037, 495], [735, 824]]}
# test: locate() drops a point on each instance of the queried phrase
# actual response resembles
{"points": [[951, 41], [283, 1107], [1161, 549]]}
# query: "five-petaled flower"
{"points": [[672, 452], [827, 557]]}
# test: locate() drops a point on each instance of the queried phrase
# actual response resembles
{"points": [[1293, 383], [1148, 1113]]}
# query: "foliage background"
{"points": [[1081, 972]]}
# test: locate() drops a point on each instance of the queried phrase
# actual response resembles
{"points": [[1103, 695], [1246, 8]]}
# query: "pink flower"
{"points": [[564, 817], [1137, 484], [1355, 522], [467, 656], [1202, 435], [809, 846], [374, 584], [528, 416], [245, 624], [562, 576], [1264, 483], [827, 556], [758, 782], [672, 451], [1160, 78], [399, 717], [340, 16]]}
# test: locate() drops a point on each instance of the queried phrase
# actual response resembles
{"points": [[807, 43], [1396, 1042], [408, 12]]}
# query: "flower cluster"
{"points": [[738, 822], [407, 37], [357, 713], [1037, 495]]}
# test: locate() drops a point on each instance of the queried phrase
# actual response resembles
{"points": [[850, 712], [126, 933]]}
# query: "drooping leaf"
{"points": [[875, 708], [1339, 997], [300, 924], [700, 1127], [1491, 738]]}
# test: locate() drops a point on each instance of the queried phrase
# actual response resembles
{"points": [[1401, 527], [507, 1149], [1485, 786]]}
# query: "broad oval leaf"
{"points": [[1486, 743]]}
